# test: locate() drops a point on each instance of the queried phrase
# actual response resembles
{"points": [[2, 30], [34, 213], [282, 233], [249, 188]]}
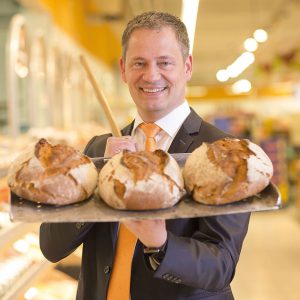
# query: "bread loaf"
{"points": [[141, 181], [57, 175], [226, 171]]}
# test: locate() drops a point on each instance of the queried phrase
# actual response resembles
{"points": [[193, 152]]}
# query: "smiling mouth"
{"points": [[157, 90]]}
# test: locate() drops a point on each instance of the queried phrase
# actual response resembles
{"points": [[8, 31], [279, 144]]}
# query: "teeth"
{"points": [[153, 90]]}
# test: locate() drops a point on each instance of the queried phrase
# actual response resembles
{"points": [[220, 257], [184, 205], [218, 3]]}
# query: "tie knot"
{"points": [[150, 129]]}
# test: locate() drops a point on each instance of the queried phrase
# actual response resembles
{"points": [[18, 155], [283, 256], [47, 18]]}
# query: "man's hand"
{"points": [[152, 233], [115, 145]]}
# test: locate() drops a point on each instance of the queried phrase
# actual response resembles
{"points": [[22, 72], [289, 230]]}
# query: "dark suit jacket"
{"points": [[201, 256]]}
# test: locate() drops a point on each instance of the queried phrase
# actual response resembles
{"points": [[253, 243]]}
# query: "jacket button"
{"points": [[106, 269]]}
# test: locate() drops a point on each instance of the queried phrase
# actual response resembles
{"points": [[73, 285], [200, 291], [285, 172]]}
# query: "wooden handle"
{"points": [[101, 98]]}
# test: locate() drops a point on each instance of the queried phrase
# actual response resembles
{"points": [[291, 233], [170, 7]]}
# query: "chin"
{"points": [[155, 109]]}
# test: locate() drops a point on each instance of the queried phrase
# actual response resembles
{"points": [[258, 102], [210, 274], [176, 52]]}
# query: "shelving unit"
{"points": [[13, 232], [10, 233], [22, 270], [26, 279]]}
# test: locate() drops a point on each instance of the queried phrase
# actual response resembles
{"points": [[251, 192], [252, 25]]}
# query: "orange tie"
{"points": [[119, 285], [150, 130]]}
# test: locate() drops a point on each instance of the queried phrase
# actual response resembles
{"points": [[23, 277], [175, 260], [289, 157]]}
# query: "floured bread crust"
{"points": [[141, 180], [57, 175], [226, 171]]}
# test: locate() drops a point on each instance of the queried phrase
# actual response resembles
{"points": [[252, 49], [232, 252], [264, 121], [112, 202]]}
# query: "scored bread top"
{"points": [[227, 170], [58, 158], [49, 174], [141, 180], [143, 163], [230, 156]]}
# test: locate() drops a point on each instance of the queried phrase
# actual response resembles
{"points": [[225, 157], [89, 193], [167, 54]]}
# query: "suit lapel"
{"points": [[187, 133], [127, 130], [184, 138], [181, 142]]}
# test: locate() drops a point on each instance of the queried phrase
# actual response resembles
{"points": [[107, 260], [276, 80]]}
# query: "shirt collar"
{"points": [[171, 122]]}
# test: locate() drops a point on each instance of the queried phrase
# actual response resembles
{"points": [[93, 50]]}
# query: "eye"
{"points": [[165, 64], [138, 64]]}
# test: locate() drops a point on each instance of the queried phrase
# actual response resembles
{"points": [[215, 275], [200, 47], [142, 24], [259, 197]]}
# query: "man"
{"points": [[197, 257]]}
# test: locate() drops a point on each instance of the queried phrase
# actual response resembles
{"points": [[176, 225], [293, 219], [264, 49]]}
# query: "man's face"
{"points": [[155, 72]]}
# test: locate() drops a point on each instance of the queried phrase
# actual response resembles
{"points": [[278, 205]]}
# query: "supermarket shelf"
{"points": [[8, 235], [13, 232], [24, 281]]}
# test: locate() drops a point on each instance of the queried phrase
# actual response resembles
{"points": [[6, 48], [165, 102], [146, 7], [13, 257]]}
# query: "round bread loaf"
{"points": [[56, 175], [141, 180], [226, 171]]}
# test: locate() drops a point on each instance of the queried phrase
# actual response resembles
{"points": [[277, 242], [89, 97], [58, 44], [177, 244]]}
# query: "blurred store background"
{"points": [[246, 80]]}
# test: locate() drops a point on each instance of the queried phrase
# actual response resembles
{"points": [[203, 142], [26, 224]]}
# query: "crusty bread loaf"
{"points": [[141, 181], [226, 171], [57, 175]]}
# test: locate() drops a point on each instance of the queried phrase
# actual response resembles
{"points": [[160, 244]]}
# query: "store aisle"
{"points": [[269, 266]]}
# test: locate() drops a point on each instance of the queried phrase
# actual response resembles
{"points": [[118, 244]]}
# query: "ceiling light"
{"points": [[222, 75], [241, 86], [247, 58], [233, 70], [189, 18], [250, 44], [240, 64], [260, 35]]}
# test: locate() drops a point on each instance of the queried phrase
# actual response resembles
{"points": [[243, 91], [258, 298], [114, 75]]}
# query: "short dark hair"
{"points": [[157, 20]]}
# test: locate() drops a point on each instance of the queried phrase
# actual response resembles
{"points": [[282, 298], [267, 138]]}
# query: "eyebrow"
{"points": [[160, 57], [166, 57], [137, 58]]}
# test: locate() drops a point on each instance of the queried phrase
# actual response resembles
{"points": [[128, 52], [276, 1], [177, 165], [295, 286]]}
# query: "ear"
{"points": [[188, 67], [122, 68]]}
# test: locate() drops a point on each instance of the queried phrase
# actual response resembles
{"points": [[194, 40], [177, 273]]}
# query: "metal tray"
{"points": [[95, 210]]}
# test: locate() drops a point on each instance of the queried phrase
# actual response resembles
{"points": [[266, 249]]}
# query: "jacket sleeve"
{"points": [[207, 259], [58, 240]]}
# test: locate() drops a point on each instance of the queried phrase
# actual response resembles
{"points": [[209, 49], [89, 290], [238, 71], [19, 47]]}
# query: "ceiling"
{"points": [[222, 27]]}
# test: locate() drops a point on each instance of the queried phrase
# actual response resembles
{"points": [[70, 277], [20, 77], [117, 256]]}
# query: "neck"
{"points": [[151, 117]]}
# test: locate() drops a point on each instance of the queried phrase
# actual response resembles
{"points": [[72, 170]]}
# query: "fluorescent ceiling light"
{"points": [[260, 35], [234, 70], [189, 18], [250, 44], [246, 59], [222, 75], [240, 64]]}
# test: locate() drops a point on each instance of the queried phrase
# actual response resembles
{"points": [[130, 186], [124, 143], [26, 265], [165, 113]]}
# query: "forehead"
{"points": [[144, 41]]}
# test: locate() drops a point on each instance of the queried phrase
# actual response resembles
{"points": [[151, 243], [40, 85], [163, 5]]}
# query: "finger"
{"points": [[115, 145]]}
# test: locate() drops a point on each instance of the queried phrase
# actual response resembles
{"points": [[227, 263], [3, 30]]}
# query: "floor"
{"points": [[269, 266]]}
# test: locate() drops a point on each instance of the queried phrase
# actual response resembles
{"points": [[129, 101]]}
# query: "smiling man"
{"points": [[174, 259], [156, 71]]}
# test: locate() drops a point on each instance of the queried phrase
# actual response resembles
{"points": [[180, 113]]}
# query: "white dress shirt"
{"points": [[169, 124]]}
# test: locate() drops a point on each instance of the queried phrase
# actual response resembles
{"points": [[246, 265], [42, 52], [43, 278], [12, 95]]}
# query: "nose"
{"points": [[151, 73]]}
